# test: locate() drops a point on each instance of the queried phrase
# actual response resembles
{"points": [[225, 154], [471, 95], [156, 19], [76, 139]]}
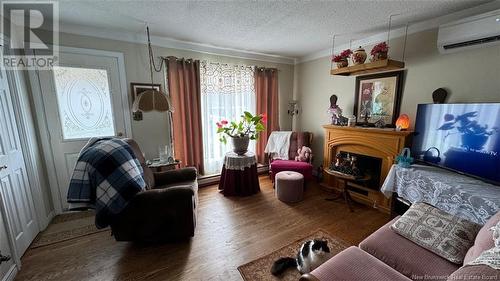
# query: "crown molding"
{"points": [[166, 42], [399, 32]]}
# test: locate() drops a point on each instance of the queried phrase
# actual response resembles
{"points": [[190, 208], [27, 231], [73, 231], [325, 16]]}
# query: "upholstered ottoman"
{"points": [[290, 165], [289, 186]]}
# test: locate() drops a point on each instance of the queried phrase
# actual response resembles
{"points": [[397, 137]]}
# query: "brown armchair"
{"points": [[165, 211]]}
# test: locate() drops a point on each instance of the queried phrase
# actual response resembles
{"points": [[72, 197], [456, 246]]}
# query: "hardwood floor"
{"points": [[230, 232]]}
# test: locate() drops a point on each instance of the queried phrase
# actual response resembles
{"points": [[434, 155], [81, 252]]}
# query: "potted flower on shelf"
{"points": [[248, 128], [341, 59], [379, 51]]}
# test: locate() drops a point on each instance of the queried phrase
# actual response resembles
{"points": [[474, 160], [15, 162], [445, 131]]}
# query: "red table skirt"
{"points": [[239, 182]]}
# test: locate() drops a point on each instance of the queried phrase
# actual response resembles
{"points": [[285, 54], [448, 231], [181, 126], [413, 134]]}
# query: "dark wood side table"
{"points": [[345, 181], [161, 167]]}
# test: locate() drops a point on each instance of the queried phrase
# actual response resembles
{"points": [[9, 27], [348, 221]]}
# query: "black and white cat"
{"points": [[311, 255]]}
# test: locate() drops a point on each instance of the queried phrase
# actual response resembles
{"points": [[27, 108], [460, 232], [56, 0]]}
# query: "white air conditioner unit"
{"points": [[473, 32]]}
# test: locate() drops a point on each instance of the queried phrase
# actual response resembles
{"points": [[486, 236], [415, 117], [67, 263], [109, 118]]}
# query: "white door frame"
{"points": [[42, 118]]}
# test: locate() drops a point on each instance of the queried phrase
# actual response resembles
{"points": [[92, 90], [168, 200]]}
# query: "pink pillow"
{"points": [[484, 240]]}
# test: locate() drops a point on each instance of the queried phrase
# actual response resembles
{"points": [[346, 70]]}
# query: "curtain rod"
{"points": [[260, 68], [169, 57], [268, 68]]}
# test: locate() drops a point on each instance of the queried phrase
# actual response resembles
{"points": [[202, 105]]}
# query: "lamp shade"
{"points": [[150, 100], [403, 122]]}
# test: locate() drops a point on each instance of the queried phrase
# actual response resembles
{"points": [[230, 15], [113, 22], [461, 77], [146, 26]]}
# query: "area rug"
{"points": [[67, 226], [260, 269]]}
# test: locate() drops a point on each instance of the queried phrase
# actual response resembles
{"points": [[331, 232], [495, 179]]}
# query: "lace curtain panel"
{"points": [[226, 92]]}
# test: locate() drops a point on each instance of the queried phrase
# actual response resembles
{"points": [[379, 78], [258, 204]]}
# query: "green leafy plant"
{"points": [[249, 125]]}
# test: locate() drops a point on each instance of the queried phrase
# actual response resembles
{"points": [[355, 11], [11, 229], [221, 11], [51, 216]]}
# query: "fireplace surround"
{"points": [[378, 148]]}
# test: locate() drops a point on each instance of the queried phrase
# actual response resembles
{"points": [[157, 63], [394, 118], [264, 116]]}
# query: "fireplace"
{"points": [[374, 151], [363, 168]]}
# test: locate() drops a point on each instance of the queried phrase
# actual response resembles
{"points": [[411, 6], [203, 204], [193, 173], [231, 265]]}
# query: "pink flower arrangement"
{"points": [[221, 123], [342, 56], [249, 125], [264, 117], [379, 48]]}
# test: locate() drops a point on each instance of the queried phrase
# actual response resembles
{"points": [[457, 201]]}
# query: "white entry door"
{"points": [[16, 198], [83, 97]]}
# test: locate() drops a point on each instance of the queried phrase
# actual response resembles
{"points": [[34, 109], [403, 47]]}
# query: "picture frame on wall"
{"points": [[137, 88], [378, 98]]}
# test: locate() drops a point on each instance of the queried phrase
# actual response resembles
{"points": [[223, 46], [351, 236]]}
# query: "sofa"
{"points": [[166, 211], [386, 255]]}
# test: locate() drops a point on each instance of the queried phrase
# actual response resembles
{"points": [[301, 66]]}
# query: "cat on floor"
{"points": [[311, 254]]}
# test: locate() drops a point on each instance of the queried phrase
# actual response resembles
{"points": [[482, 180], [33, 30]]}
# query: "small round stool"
{"points": [[289, 186]]}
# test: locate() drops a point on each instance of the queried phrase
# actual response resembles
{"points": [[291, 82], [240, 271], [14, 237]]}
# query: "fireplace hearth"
{"points": [[363, 168], [373, 150]]}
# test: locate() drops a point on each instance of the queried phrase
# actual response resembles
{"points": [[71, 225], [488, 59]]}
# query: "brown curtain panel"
{"points": [[184, 88], [266, 91]]}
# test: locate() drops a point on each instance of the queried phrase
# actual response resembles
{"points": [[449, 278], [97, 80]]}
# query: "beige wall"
{"points": [[469, 76], [152, 131]]}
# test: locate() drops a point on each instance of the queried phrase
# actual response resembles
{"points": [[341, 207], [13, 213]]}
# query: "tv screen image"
{"points": [[461, 137]]}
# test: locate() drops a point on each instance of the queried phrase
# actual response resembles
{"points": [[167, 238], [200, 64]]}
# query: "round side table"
{"points": [[239, 175]]}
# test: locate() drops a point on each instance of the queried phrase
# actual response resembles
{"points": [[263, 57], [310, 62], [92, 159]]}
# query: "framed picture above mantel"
{"points": [[378, 98]]}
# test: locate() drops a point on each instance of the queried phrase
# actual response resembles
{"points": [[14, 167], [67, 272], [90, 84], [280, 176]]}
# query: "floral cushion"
{"points": [[437, 231]]}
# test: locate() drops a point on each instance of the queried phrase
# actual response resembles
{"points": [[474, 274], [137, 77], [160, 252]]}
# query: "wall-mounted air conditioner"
{"points": [[472, 32]]}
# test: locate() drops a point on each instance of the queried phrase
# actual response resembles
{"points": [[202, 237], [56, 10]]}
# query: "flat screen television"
{"points": [[461, 137]]}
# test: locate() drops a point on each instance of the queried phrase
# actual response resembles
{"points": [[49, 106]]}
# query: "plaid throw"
{"points": [[106, 176]]}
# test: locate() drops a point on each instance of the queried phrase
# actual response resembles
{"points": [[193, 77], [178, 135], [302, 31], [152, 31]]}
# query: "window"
{"points": [[84, 102], [226, 92]]}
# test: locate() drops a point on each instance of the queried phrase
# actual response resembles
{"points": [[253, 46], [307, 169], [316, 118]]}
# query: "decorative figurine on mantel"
{"points": [[336, 112]]}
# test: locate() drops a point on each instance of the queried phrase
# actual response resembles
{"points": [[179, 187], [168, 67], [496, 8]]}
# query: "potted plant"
{"points": [[341, 59], [379, 51], [248, 128]]}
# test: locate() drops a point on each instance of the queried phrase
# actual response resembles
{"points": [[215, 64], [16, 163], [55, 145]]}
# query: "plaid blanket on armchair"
{"points": [[106, 177]]}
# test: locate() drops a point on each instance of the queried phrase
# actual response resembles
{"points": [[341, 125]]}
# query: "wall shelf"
{"points": [[370, 67]]}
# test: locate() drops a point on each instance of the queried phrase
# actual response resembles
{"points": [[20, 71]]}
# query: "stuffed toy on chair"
{"points": [[305, 154]]}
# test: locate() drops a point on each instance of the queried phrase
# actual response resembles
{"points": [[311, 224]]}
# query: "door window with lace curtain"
{"points": [[227, 90]]}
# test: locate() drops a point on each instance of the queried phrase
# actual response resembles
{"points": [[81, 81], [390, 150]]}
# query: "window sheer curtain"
{"points": [[226, 92]]}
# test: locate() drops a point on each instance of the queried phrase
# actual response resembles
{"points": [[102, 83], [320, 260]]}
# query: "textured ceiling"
{"points": [[284, 28]]}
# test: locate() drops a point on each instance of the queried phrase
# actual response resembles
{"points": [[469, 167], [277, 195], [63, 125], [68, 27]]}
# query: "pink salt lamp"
{"points": [[403, 122]]}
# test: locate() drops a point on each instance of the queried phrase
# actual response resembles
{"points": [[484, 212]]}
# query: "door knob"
{"points": [[3, 167]]}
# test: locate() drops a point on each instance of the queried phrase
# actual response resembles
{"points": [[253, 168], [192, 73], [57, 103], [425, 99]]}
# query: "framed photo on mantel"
{"points": [[378, 98]]}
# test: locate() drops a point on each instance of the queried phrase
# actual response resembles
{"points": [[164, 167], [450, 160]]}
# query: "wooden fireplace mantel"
{"points": [[385, 144]]}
